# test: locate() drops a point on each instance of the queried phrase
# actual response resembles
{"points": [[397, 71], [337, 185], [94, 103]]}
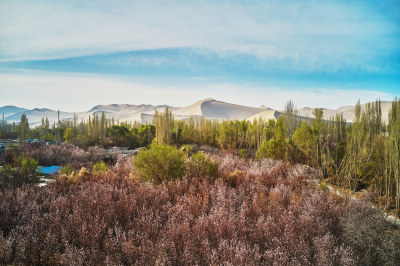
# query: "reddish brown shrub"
{"points": [[264, 218], [66, 154]]}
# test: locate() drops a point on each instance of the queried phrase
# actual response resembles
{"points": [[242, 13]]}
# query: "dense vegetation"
{"points": [[17, 170], [364, 154], [93, 132], [251, 213], [171, 205]]}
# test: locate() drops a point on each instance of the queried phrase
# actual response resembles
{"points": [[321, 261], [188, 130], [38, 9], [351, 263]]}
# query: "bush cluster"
{"points": [[200, 165], [17, 170], [66, 154], [254, 213], [160, 163]]}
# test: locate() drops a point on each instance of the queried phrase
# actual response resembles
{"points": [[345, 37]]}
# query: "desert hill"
{"points": [[348, 111], [207, 108]]}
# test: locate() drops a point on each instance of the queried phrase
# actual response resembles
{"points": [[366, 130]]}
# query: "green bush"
{"points": [[200, 165], [187, 149], [159, 163], [271, 149], [278, 150], [24, 173], [100, 167], [28, 167], [67, 170], [324, 186], [243, 153]]}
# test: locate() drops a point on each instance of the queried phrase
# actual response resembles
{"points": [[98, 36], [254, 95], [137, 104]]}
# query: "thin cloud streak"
{"points": [[333, 33]]}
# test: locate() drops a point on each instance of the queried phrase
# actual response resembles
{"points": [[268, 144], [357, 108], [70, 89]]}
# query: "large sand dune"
{"points": [[207, 108], [266, 115], [212, 109]]}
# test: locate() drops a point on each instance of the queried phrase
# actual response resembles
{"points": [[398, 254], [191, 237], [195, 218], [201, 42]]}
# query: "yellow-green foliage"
{"points": [[187, 149], [73, 179], [303, 139], [271, 149], [160, 163], [243, 153], [200, 165], [24, 172], [28, 166], [323, 185], [100, 167], [68, 135], [67, 170]]}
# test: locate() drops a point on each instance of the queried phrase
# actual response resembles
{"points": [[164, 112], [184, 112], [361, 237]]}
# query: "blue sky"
{"points": [[71, 55]]}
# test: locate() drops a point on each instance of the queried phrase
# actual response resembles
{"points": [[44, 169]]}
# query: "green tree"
{"points": [[146, 134], [303, 139], [28, 167], [69, 135], [316, 127], [164, 123], [119, 134], [273, 149], [290, 118], [23, 129]]}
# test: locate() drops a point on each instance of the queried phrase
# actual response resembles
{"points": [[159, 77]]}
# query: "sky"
{"points": [[73, 55]]}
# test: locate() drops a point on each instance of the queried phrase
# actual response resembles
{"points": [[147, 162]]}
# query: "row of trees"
{"points": [[358, 155], [94, 131]]}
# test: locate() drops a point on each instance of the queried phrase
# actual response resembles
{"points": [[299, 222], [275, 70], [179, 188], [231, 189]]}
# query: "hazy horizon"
{"points": [[182, 106]]}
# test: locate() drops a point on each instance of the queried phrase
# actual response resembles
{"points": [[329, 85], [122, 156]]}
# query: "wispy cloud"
{"points": [[84, 53], [336, 34]]}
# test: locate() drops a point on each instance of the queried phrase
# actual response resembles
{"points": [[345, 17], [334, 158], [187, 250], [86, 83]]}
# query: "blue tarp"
{"points": [[54, 169]]}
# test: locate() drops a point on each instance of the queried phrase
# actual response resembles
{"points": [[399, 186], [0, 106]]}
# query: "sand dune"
{"points": [[207, 108], [213, 109], [348, 111], [266, 115]]}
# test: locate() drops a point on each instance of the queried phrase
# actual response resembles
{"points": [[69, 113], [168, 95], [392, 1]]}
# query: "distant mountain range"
{"points": [[208, 108]]}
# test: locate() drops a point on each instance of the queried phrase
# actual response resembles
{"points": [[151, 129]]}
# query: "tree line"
{"points": [[96, 130], [357, 155], [363, 154]]}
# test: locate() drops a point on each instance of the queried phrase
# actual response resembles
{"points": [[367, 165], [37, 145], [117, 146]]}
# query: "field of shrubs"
{"points": [[171, 207]]}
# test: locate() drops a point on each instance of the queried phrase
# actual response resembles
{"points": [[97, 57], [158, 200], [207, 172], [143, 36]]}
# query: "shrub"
{"points": [[271, 149], [65, 154], [8, 157], [279, 150], [201, 165], [160, 163], [29, 166], [187, 150], [373, 240], [24, 173], [100, 167], [114, 221], [323, 185], [66, 170], [243, 153], [267, 215], [74, 178]]}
